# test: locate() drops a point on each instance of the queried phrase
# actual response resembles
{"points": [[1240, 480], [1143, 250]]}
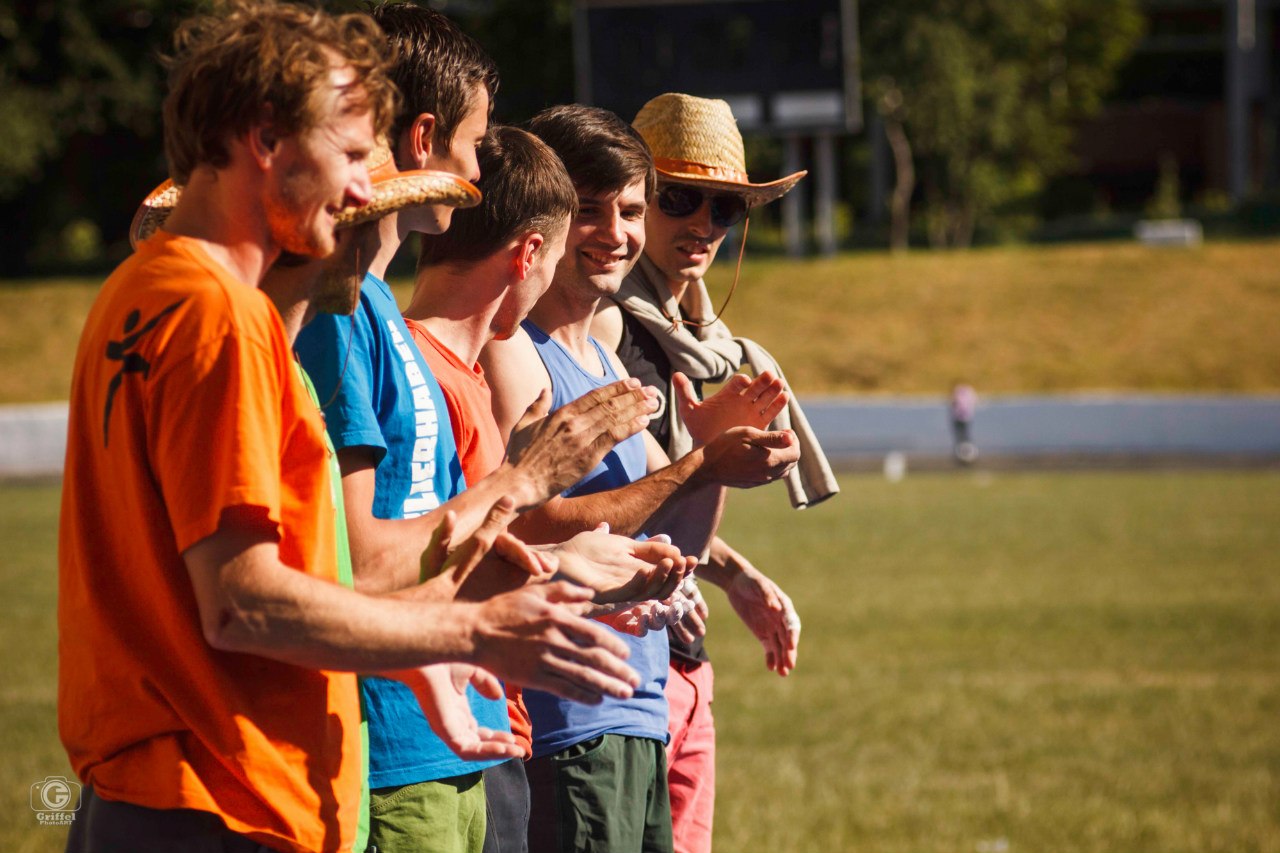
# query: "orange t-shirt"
{"points": [[481, 449], [185, 405]]}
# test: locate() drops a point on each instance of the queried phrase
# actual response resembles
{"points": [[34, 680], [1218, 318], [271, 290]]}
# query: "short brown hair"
{"points": [[259, 61], [601, 151], [436, 70], [525, 187]]}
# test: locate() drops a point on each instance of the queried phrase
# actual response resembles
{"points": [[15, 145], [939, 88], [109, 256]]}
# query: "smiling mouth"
{"points": [[604, 260]]}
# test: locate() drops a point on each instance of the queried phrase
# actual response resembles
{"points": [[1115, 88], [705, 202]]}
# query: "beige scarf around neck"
{"points": [[713, 354]]}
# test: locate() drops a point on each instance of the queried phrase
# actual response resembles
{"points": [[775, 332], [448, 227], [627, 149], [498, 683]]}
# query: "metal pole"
{"points": [[1241, 38], [878, 204], [824, 196], [792, 215]]}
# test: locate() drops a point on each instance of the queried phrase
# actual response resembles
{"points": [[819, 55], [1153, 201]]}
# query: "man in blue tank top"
{"points": [[598, 775]]}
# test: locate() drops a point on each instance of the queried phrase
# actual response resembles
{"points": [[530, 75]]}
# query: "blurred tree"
{"points": [[532, 42], [74, 66], [80, 91], [980, 97]]}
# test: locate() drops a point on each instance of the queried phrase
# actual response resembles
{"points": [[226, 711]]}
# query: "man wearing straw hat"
{"points": [[598, 774], [197, 561], [665, 331]]}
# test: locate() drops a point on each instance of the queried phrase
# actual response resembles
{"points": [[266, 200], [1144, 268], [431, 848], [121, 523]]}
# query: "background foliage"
{"points": [[984, 95], [987, 93]]}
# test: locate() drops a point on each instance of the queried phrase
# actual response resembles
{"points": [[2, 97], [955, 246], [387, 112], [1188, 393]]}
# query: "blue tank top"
{"points": [[559, 723]]}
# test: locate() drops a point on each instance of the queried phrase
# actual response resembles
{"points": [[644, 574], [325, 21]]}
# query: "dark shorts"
{"points": [[107, 826], [604, 795], [506, 798]]}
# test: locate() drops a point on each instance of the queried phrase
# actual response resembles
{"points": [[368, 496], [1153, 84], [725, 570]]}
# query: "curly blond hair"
{"points": [[265, 61]]}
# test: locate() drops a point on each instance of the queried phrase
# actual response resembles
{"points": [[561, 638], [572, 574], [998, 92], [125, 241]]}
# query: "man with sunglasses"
{"points": [[663, 328]]}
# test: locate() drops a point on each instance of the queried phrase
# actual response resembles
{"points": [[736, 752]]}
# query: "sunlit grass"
{"points": [[1020, 319], [1048, 662], [1020, 662]]}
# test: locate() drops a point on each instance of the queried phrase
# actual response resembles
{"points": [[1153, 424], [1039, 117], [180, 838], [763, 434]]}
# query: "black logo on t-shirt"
{"points": [[130, 362]]}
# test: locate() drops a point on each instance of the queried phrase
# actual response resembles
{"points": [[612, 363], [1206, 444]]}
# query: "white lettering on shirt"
{"points": [[422, 490]]}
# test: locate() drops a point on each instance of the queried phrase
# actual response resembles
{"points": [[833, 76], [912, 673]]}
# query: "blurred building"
{"points": [[1200, 94]]}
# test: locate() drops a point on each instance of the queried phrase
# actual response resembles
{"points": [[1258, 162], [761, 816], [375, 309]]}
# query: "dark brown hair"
{"points": [[601, 151], [264, 61], [525, 187], [436, 70]]}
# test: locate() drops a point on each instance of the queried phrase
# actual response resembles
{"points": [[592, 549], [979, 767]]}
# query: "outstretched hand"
{"points": [[536, 637], [620, 569], [768, 612], [490, 560], [557, 450], [441, 691], [741, 401], [745, 457]]}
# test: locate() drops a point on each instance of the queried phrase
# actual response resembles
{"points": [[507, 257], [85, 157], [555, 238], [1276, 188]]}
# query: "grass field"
{"points": [[1021, 319], [1010, 662]]}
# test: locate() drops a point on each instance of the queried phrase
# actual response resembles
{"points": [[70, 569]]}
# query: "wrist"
{"points": [[700, 468], [471, 625], [515, 481]]}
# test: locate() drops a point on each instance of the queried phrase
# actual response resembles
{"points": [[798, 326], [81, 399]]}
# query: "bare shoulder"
{"points": [[606, 326], [618, 367], [516, 377]]}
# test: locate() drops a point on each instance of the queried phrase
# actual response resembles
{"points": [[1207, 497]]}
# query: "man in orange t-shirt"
{"points": [[204, 646], [187, 420]]}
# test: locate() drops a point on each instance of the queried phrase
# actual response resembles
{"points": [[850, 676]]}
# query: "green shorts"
{"points": [[444, 816], [607, 794]]}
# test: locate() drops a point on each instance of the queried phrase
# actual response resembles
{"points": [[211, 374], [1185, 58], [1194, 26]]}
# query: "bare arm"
{"points": [[606, 325], [546, 455], [682, 499], [759, 602], [250, 602]]}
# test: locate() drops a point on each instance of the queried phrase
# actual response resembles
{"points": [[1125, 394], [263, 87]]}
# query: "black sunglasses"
{"points": [[680, 200]]}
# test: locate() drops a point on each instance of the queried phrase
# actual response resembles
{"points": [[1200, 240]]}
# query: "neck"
{"points": [[213, 210], [566, 316], [290, 291], [390, 238], [678, 289], [457, 303]]}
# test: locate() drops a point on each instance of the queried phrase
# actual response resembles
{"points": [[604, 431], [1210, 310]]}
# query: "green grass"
{"points": [[1084, 662], [1047, 662], [1019, 319], [1009, 320], [28, 690]]}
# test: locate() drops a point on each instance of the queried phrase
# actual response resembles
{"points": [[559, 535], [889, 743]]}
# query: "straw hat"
{"points": [[393, 191], [696, 141]]}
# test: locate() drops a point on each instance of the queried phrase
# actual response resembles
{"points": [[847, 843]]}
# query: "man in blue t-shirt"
{"points": [[399, 464]]}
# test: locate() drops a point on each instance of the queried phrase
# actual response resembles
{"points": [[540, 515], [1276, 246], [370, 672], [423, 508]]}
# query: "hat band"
{"points": [[716, 173]]}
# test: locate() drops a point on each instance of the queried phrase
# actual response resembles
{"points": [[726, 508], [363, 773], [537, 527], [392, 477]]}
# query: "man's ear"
{"points": [[418, 142], [262, 142], [527, 251]]}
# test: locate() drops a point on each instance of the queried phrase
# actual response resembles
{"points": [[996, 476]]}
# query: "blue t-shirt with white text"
{"points": [[377, 391]]}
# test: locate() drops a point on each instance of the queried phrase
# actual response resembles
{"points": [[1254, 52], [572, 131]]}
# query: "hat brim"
{"points": [[755, 194], [153, 212], [411, 189], [397, 192]]}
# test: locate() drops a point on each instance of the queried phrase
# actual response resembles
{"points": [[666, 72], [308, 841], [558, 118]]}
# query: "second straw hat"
{"points": [[696, 141], [393, 191]]}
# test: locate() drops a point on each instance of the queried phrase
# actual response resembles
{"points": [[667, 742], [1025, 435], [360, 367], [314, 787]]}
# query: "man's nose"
{"points": [[700, 220], [613, 228], [360, 188]]}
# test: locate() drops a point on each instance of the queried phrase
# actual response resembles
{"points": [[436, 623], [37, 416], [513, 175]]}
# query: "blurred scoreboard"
{"points": [[783, 65]]}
